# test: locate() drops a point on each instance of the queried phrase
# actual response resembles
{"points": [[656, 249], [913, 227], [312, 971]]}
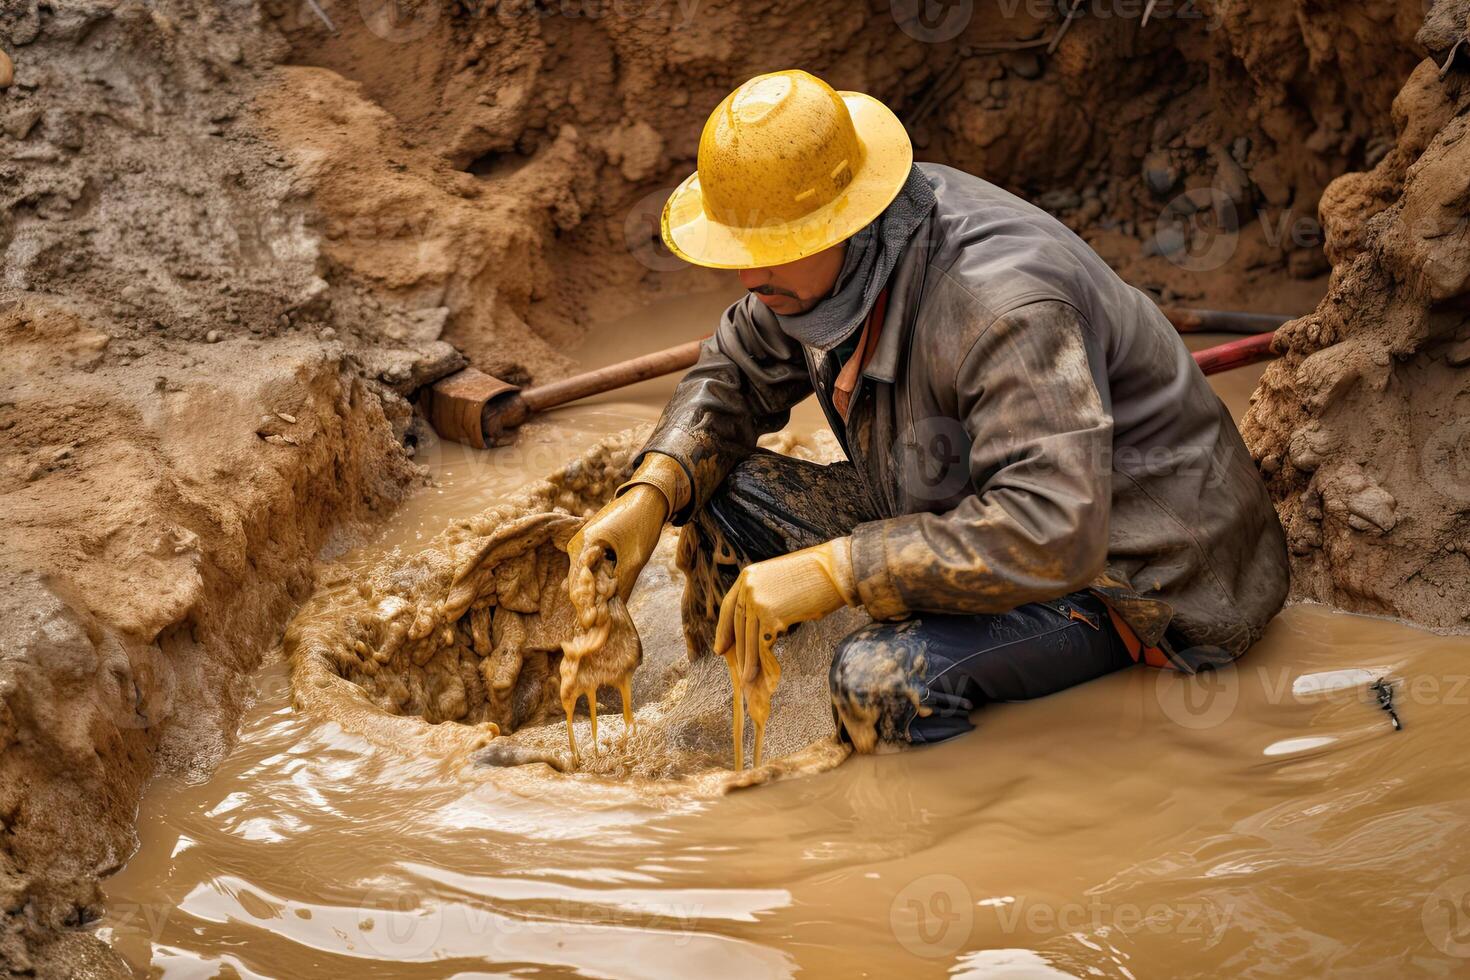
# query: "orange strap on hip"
{"points": [[1153, 656]]}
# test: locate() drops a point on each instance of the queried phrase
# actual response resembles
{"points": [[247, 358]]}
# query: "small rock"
{"points": [[1376, 151], [213, 337], [1169, 240], [1459, 354], [1306, 263], [290, 419], [1059, 200], [1272, 181], [1023, 64], [1159, 173], [1231, 180], [1307, 448], [1373, 505], [327, 333], [7, 70], [1241, 149], [20, 121]]}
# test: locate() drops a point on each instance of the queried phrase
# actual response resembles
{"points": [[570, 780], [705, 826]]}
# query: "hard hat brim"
{"points": [[698, 239]]}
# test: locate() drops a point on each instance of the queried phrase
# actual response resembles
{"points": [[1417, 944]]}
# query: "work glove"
{"points": [[767, 599], [626, 529]]}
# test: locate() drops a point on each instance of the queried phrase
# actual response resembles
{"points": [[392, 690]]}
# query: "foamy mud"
{"points": [[458, 653]]}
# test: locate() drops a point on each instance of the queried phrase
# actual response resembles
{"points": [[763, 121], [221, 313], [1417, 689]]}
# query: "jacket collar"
{"points": [[904, 293]]}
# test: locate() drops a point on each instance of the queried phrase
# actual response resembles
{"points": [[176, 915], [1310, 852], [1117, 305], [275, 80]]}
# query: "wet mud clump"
{"points": [[474, 651]]}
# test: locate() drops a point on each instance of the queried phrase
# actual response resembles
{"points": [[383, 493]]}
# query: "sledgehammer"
{"points": [[480, 410]]}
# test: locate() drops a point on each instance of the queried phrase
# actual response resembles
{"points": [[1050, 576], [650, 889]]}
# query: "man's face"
{"points": [[796, 286]]}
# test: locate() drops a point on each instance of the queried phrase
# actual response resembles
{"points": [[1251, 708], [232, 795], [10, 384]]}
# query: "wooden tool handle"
{"points": [[612, 377]]}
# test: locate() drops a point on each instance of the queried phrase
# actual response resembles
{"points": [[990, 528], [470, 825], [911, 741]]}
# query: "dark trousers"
{"points": [[924, 675]]}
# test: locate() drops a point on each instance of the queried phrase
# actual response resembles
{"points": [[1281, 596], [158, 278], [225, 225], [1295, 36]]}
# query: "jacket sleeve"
{"points": [[748, 377], [1032, 407]]}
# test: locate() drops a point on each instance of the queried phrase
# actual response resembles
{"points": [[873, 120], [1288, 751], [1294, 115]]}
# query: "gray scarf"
{"points": [[871, 256]]}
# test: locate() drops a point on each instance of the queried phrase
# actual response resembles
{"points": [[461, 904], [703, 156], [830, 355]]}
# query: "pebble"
{"points": [[1024, 63], [1170, 240], [7, 70], [327, 333], [1159, 173], [213, 337]]}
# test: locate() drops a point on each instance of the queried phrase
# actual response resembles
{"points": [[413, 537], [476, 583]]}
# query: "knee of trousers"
{"points": [[876, 671]]}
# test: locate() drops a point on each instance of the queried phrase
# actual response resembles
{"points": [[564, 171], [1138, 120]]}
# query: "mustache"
{"points": [[767, 289]]}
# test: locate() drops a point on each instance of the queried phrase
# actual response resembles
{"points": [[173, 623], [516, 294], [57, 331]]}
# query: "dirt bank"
{"points": [[233, 240], [1362, 426]]}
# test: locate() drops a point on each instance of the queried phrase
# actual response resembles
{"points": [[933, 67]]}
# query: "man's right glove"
{"points": [[628, 526]]}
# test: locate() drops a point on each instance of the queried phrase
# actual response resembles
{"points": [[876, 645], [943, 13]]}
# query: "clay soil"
{"points": [[237, 238]]}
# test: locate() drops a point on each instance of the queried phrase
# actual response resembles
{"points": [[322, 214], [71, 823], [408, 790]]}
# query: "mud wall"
{"points": [[1190, 150], [1361, 427], [189, 413]]}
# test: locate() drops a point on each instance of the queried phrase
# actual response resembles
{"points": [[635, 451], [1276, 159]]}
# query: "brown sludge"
{"points": [[604, 653], [468, 648]]}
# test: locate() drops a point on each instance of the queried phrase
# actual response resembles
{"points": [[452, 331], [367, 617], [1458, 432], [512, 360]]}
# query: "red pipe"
{"points": [[1237, 353]]}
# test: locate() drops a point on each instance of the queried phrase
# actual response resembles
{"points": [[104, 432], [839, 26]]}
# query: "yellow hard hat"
{"points": [[787, 167]]}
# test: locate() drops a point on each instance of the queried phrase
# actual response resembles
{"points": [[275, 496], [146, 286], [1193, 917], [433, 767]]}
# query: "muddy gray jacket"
{"points": [[1029, 425]]}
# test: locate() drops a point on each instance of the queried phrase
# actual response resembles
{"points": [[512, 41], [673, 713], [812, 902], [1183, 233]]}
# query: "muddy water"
{"points": [[1265, 820]]}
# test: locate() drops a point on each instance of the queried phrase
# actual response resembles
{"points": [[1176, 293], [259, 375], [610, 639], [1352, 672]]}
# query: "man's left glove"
{"points": [[769, 597]]}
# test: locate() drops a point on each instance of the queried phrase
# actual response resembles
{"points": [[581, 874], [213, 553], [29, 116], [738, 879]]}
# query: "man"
{"points": [[1040, 486]]}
